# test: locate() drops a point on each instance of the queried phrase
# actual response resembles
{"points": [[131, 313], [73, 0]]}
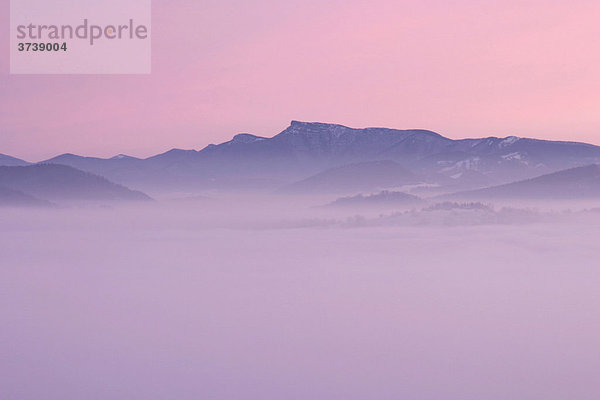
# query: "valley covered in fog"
{"points": [[323, 263], [252, 297]]}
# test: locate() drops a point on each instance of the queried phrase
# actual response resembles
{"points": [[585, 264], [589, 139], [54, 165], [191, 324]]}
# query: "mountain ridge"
{"points": [[304, 149]]}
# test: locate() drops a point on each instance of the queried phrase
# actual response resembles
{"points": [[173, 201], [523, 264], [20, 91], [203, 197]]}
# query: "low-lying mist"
{"points": [[287, 297]]}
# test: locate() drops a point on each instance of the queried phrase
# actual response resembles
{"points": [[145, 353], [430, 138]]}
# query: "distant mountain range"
{"points": [[41, 184], [328, 157]]}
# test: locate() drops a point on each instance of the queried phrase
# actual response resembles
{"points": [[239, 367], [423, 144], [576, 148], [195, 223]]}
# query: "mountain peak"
{"points": [[296, 123], [122, 157], [67, 155], [507, 141], [311, 129], [337, 129], [246, 138]]}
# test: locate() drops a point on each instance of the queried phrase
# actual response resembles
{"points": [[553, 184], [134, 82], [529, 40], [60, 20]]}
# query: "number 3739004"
{"points": [[42, 46]]}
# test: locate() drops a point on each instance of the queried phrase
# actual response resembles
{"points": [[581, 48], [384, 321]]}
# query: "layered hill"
{"points": [[573, 183], [358, 177], [60, 182], [15, 198]]}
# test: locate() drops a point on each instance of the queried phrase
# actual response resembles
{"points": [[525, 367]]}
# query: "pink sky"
{"points": [[461, 68]]}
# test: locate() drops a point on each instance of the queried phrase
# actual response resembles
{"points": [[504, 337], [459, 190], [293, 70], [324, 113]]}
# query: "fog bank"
{"points": [[189, 301]]}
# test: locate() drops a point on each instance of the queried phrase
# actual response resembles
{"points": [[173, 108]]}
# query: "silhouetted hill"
{"points": [[61, 182], [580, 182], [359, 177], [15, 198]]}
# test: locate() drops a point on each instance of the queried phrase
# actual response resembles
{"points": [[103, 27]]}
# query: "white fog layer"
{"points": [[262, 298]]}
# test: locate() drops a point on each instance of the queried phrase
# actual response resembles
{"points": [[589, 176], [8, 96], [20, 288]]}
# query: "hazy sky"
{"points": [[461, 68]]}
